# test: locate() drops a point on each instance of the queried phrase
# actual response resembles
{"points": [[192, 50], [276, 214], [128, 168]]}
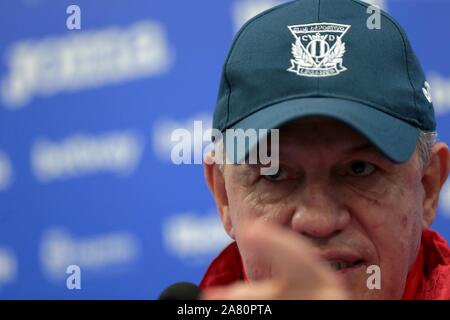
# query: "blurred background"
{"points": [[86, 117]]}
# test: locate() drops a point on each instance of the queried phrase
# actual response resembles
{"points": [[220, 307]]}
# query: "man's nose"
{"points": [[320, 212]]}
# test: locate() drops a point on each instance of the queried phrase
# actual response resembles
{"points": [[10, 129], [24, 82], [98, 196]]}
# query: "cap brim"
{"points": [[395, 138]]}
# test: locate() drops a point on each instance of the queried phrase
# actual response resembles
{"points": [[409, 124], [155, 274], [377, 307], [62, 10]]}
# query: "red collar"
{"points": [[429, 278], [225, 268]]}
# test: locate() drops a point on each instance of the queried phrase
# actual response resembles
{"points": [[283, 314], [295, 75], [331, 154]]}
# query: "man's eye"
{"points": [[361, 168], [279, 176]]}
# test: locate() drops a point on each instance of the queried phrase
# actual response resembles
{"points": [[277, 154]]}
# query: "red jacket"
{"points": [[429, 278]]}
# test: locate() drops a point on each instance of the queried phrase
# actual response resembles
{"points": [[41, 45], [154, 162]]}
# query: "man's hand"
{"points": [[297, 272]]}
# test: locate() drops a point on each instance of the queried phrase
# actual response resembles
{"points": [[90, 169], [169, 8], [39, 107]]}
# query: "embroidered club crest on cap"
{"points": [[318, 49]]}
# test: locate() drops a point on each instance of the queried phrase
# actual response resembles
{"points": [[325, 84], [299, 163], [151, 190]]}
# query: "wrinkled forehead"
{"points": [[321, 132]]}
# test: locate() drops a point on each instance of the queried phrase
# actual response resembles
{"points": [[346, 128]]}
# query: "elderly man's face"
{"points": [[336, 190]]}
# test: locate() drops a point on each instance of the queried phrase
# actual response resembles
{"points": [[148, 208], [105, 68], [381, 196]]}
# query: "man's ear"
{"points": [[216, 184], [434, 176]]}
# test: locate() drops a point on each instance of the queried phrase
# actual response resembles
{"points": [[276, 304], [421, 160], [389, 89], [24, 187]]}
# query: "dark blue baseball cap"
{"points": [[321, 58]]}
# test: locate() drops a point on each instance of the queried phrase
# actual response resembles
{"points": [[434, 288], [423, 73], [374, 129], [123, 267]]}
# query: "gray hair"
{"points": [[425, 144]]}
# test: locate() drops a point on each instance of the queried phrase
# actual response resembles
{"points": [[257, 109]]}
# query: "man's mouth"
{"points": [[341, 265]]}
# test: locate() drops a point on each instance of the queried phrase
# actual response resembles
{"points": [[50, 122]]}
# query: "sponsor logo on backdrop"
{"points": [[440, 90], [194, 238], [445, 201], [101, 253], [245, 10], [84, 60], [8, 266], [5, 171], [162, 134], [382, 4], [80, 155]]}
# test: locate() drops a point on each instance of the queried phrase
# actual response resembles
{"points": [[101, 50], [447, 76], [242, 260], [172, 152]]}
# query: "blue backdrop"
{"points": [[85, 123]]}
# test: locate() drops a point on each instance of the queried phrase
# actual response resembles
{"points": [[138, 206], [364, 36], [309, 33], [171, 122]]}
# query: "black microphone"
{"points": [[181, 291]]}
